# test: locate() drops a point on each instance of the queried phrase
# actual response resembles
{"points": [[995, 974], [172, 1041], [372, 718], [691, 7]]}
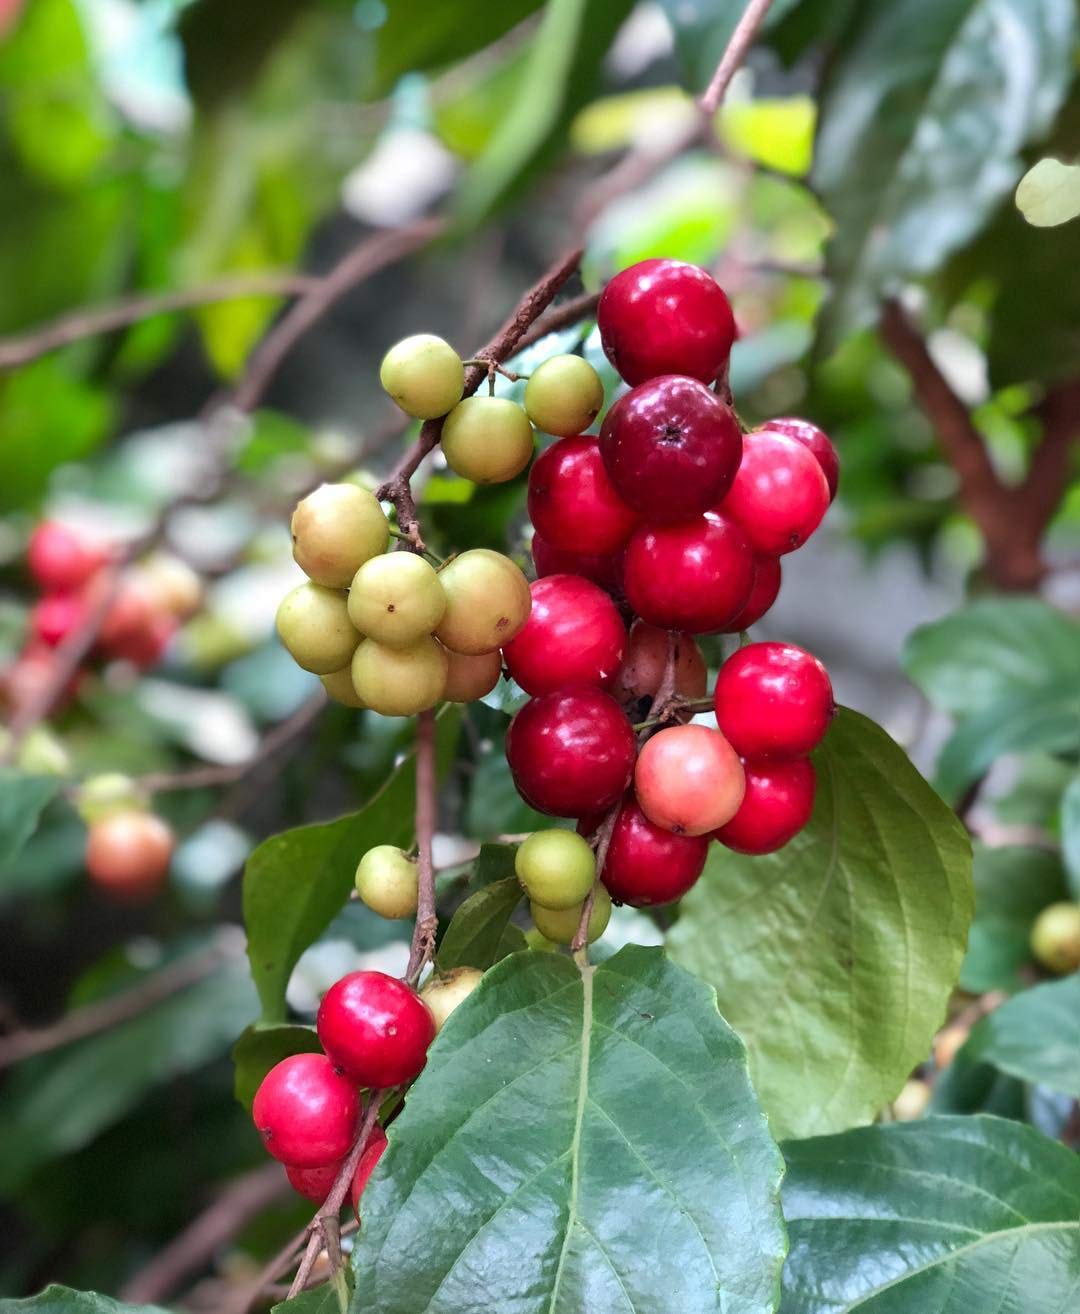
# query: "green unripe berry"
{"points": [[471, 677], [556, 867], [313, 624], [424, 375], [335, 530], [446, 990], [564, 395], [105, 795], [396, 599], [42, 754], [387, 880], [399, 681], [339, 687], [487, 439], [560, 924], [487, 601], [1055, 937]]}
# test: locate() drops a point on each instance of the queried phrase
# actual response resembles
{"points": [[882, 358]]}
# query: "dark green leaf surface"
{"points": [[320, 1300], [23, 798], [942, 1216], [296, 882], [476, 930], [924, 113], [56, 1299], [260, 1047], [578, 1141], [1034, 1036], [1012, 886], [835, 957], [1070, 834]]}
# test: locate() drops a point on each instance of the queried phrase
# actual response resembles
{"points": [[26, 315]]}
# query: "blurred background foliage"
{"points": [[869, 151]]}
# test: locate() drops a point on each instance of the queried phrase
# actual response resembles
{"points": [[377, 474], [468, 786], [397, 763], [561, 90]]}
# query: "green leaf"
{"points": [[703, 29], [577, 1120], [1070, 834], [925, 111], [1049, 193], [493, 863], [835, 957], [1013, 884], [1034, 1036], [320, 1300], [563, 69], [476, 930], [260, 1047], [56, 1299], [296, 882], [942, 1216], [23, 798]]}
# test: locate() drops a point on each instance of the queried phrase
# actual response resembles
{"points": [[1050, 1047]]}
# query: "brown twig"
{"points": [[427, 922], [560, 317], [737, 48]]}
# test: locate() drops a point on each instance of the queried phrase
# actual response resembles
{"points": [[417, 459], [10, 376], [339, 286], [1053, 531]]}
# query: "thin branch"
{"points": [[559, 317], [427, 922], [737, 48]]}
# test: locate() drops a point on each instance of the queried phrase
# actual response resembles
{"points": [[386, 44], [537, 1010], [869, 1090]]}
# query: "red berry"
{"points": [[572, 502], [128, 853], [773, 701], [777, 804], [375, 1028], [313, 1183], [818, 441], [55, 615], [571, 752], [372, 1153], [60, 559], [671, 447], [647, 865], [135, 629], [762, 595], [665, 317], [305, 1111], [779, 495], [694, 575], [646, 659], [605, 571], [689, 780], [574, 635]]}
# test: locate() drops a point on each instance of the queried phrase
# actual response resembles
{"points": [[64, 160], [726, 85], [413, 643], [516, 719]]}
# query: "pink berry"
{"points": [[60, 559], [689, 780], [571, 752], [605, 571], [645, 661], [313, 1183], [370, 1156], [773, 701], [665, 317], [572, 501], [818, 441], [647, 865], [777, 804], [574, 635], [762, 596], [375, 1028], [694, 575], [779, 495], [55, 615], [306, 1111]]}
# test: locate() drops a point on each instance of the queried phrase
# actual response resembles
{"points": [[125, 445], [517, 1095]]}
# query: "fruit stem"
{"points": [[433, 557]]}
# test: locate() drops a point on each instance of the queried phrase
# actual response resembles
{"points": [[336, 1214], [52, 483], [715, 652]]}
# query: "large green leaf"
{"points": [[1013, 884], [296, 882], [579, 1140], [56, 1299], [260, 1047], [23, 798], [476, 930], [926, 108], [834, 958], [1034, 1036], [942, 1216]]}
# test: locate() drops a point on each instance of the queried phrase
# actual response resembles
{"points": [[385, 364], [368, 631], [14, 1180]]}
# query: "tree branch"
{"points": [[737, 48], [427, 922]]}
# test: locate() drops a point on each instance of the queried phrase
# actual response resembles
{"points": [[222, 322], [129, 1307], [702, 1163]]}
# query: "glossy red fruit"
{"points": [[689, 780], [55, 615], [671, 447], [305, 1111], [779, 495], [375, 1028], [571, 752], [773, 701], [574, 635], [694, 575], [313, 1183], [573, 504], [644, 664], [818, 441], [603, 570], [647, 865], [764, 593], [665, 317], [777, 804], [372, 1153], [61, 559]]}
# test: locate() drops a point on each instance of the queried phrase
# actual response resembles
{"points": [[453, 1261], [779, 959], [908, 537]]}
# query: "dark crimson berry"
{"points": [[572, 502], [61, 559], [313, 1183], [571, 752], [646, 865], [375, 1028], [574, 635], [305, 1111], [665, 317], [777, 804], [370, 1156], [694, 575], [688, 779], [671, 447], [818, 441], [762, 595], [55, 615], [606, 571], [645, 661], [773, 701], [779, 495]]}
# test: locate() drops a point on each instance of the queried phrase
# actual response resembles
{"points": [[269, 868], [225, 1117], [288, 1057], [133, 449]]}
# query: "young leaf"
{"points": [[598, 1137], [1049, 193], [476, 930], [260, 1047], [1034, 1036], [1013, 884], [942, 1216], [835, 957]]}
